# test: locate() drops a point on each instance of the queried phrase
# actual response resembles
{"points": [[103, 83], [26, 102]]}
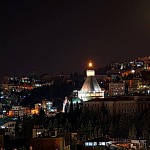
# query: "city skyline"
{"points": [[51, 37]]}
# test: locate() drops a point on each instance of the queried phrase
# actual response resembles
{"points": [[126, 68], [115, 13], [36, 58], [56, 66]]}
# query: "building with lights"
{"points": [[44, 139], [90, 88], [120, 104], [116, 88], [18, 111]]}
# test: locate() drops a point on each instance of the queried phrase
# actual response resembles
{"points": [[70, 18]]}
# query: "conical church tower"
{"points": [[90, 88]]}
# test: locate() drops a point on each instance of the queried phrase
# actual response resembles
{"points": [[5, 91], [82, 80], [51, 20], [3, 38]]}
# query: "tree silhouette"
{"points": [[111, 130], [55, 124], [42, 116], [132, 132], [50, 125]]}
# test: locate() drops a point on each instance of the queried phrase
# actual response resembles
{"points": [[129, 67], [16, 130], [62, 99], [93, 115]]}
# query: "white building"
{"points": [[90, 88]]}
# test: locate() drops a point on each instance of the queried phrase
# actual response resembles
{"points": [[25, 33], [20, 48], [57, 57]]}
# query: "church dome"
{"points": [[90, 88], [91, 85]]}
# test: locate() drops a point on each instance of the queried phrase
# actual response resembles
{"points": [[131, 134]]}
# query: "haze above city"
{"points": [[51, 37]]}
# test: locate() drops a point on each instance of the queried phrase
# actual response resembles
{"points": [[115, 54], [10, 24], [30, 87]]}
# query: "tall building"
{"points": [[90, 88]]}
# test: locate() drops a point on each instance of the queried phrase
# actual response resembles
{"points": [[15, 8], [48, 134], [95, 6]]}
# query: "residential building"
{"points": [[116, 88]]}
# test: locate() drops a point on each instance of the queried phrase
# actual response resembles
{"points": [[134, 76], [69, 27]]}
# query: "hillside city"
{"points": [[99, 108]]}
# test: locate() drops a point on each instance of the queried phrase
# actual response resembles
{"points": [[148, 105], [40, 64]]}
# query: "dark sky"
{"points": [[53, 36]]}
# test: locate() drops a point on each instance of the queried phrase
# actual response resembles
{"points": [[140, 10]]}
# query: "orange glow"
{"points": [[34, 111], [90, 64], [10, 113], [130, 83]]}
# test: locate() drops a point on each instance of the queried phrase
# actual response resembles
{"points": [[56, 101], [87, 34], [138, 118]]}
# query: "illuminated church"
{"points": [[90, 89]]}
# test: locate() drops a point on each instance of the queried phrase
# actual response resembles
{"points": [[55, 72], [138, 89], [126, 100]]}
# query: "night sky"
{"points": [[47, 36]]}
